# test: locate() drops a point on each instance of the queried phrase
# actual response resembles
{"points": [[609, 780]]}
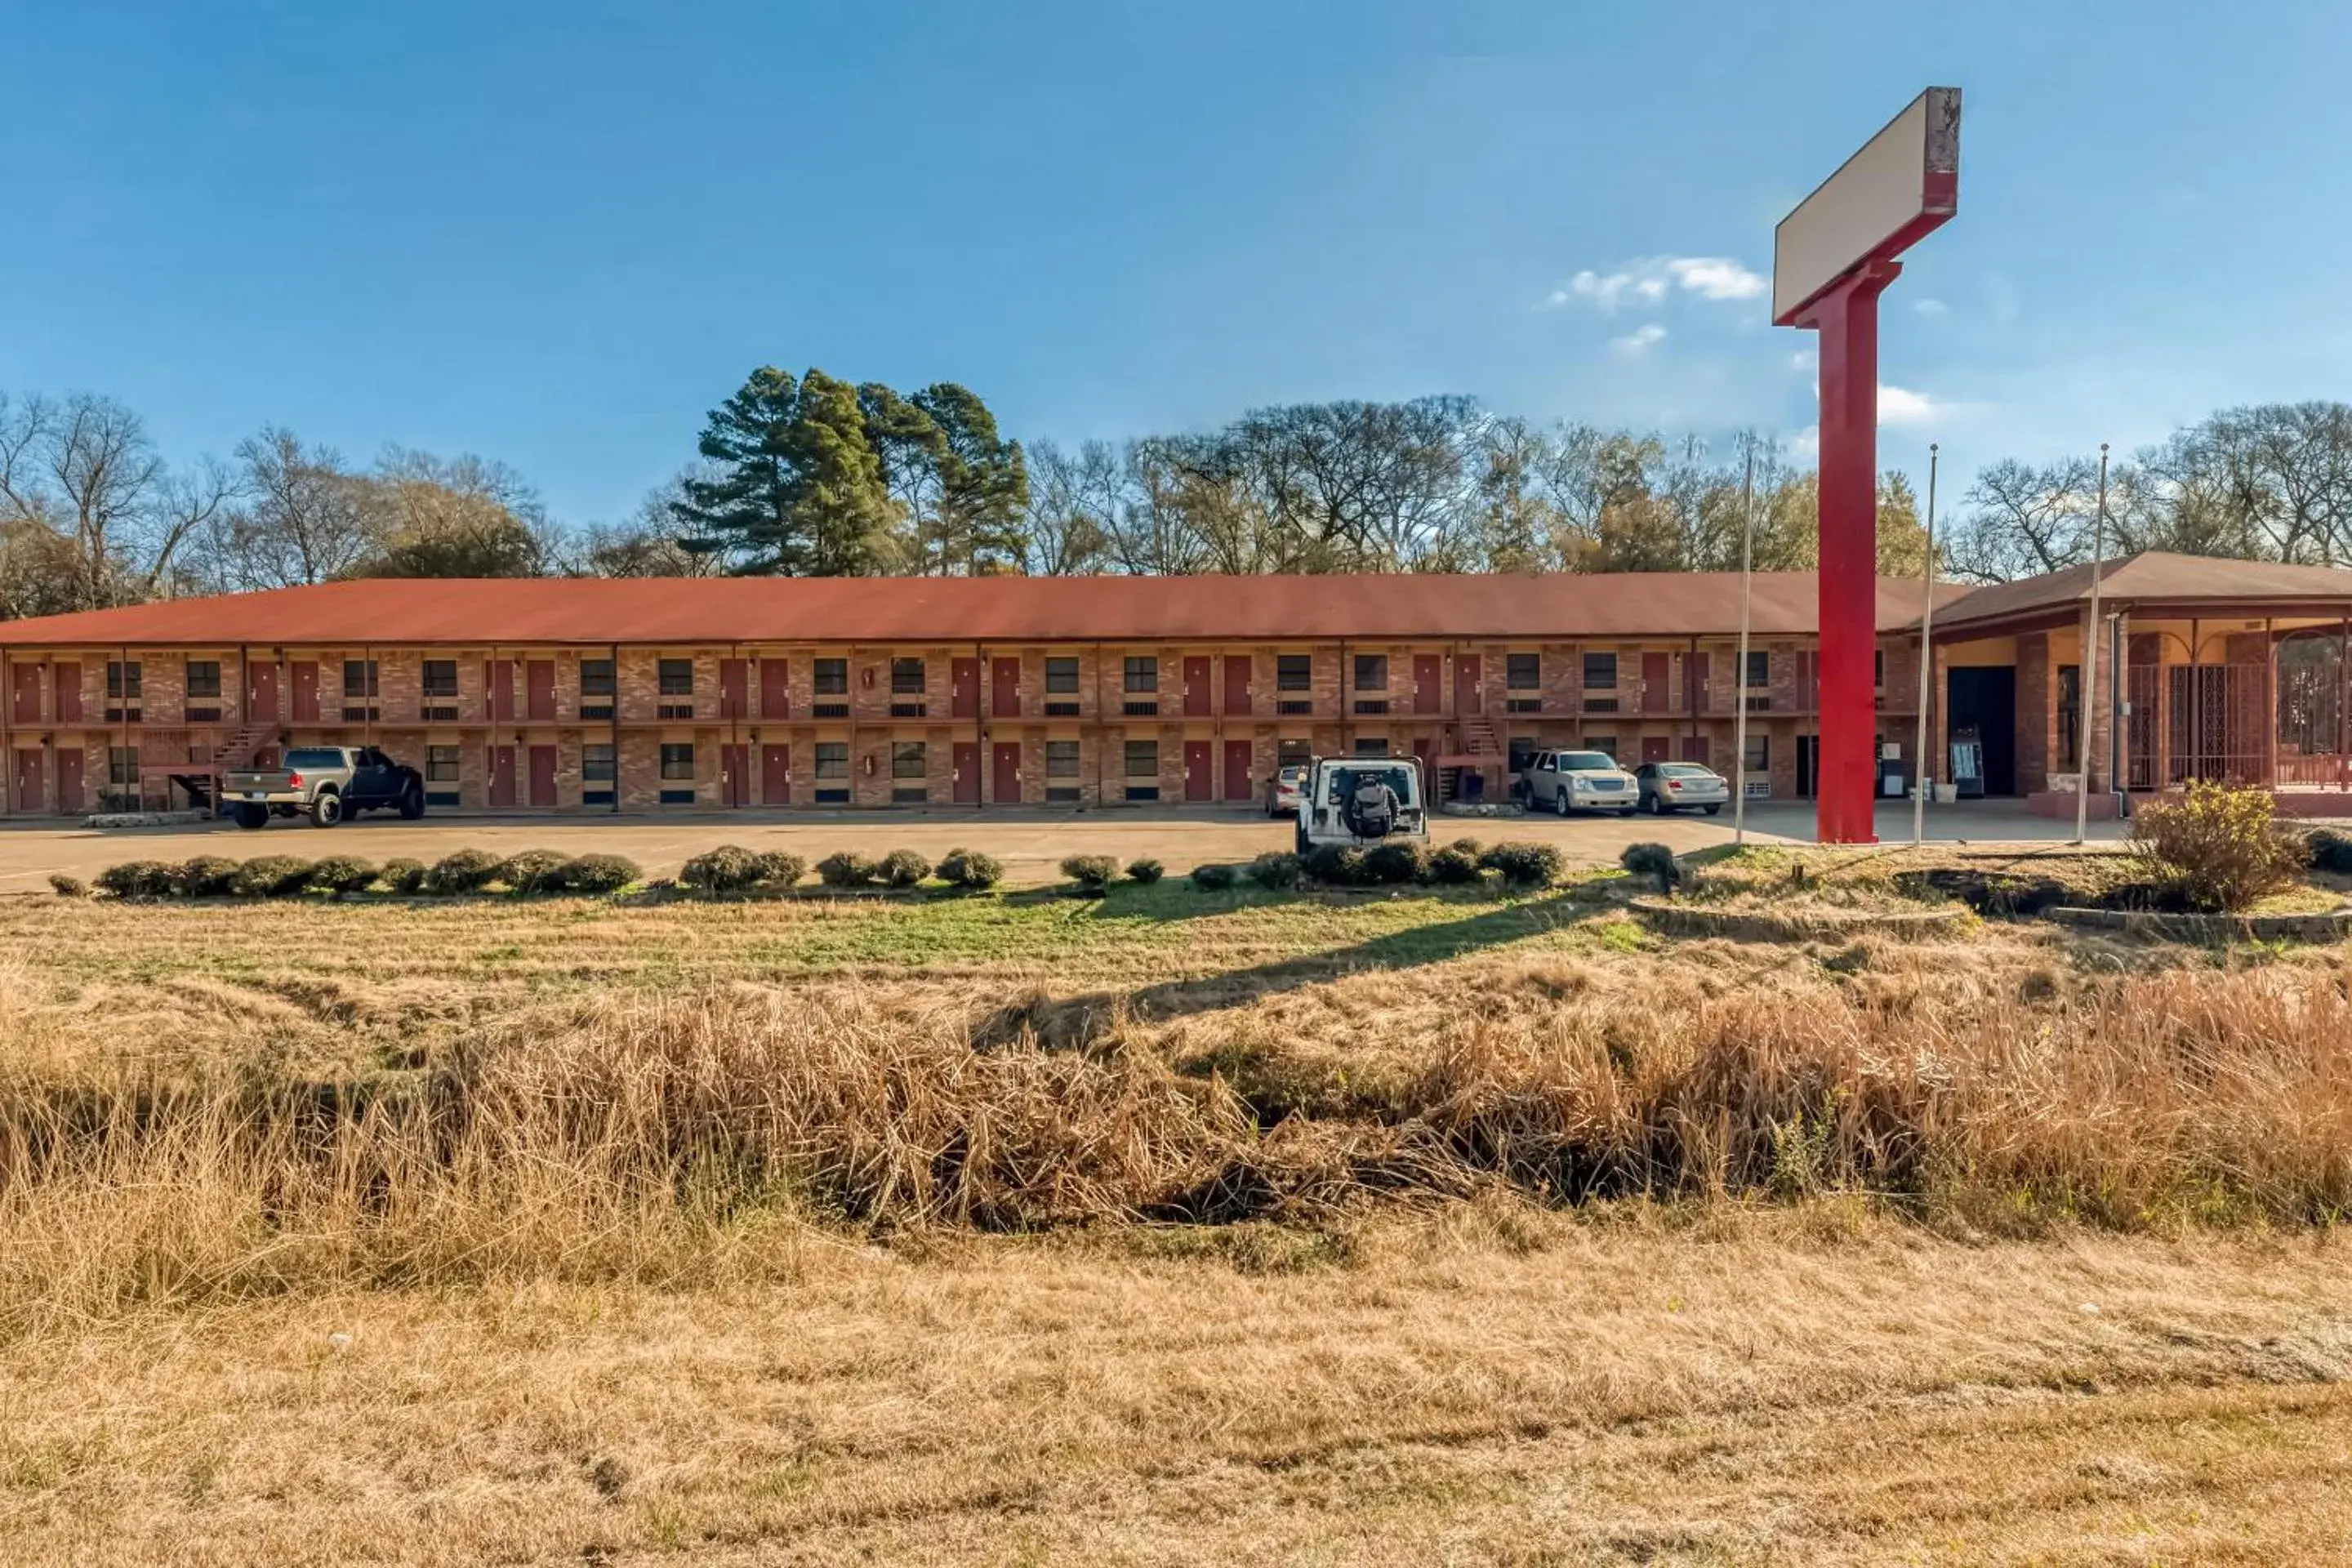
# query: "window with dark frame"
{"points": [[440, 678], [1760, 668], [597, 678], [906, 677], [1759, 759], [1142, 758], [1292, 753], [116, 671], [1523, 672], [123, 765], [911, 760], [1061, 676], [443, 765], [676, 676], [2070, 717], [1061, 759], [598, 763], [1372, 672], [1600, 672], [832, 758], [677, 760], [204, 678], [830, 677], [1142, 673], [1293, 672]]}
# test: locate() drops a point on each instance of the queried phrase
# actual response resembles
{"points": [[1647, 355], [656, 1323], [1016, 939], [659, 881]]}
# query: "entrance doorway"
{"points": [[1006, 790], [1983, 697]]}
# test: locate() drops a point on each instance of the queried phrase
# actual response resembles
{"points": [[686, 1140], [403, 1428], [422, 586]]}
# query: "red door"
{"points": [[502, 779], [735, 773], [775, 774], [1004, 687], [69, 781], [1469, 691], [963, 694], [306, 691], [69, 685], [1655, 748], [28, 781], [966, 783], [1237, 682], [261, 692], [734, 688], [1697, 682], [1657, 683], [1006, 787], [542, 772], [1423, 748], [1237, 770], [775, 688], [1695, 749], [1196, 687], [26, 685], [1809, 679], [1198, 783], [538, 690], [498, 700], [1428, 693]]}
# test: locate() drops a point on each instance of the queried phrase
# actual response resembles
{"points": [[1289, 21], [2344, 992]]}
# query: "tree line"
{"points": [[811, 475]]}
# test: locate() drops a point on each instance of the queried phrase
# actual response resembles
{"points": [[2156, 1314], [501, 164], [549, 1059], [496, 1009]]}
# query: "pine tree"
{"points": [[746, 509], [840, 506], [983, 484]]}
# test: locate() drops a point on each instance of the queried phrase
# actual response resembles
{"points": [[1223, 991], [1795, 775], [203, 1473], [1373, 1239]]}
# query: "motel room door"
{"points": [[1004, 693], [1237, 683], [25, 704], [1196, 687], [963, 690], [1199, 758], [1237, 770], [966, 783], [69, 700], [1655, 748], [735, 773], [538, 690], [502, 775], [775, 775], [306, 691], [542, 775], [29, 780], [1004, 788], [1428, 684], [261, 695], [1469, 691], [69, 783]]}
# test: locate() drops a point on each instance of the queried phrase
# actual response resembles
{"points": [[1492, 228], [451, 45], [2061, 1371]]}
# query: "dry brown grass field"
{"points": [[1170, 1227]]}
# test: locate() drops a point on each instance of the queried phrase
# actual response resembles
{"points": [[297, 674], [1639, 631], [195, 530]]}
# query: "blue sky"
{"points": [[557, 234]]}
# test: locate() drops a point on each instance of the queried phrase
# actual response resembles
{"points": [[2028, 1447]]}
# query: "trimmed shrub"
{"points": [[1092, 873], [1276, 870], [342, 874], [534, 871], [270, 877], [1653, 860], [2328, 849], [403, 875], [729, 869], [1455, 864], [1336, 864], [846, 869], [462, 872], [2219, 842], [970, 869], [1400, 860], [903, 869], [1146, 871], [779, 868], [596, 874], [1215, 877], [204, 876], [67, 887], [1525, 865], [139, 879]]}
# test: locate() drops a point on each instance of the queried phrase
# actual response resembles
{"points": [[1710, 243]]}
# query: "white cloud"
{"points": [[1647, 279], [1928, 307], [1806, 446], [1803, 359], [1639, 341], [1898, 405]]}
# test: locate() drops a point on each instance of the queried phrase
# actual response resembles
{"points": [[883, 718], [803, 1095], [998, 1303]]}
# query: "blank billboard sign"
{"points": [[1904, 182]]}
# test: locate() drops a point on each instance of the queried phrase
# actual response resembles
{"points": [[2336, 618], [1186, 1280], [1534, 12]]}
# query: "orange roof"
{"points": [[474, 612], [2156, 577]]}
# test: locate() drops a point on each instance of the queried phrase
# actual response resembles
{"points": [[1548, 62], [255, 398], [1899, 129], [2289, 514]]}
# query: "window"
{"points": [[596, 678], [1061, 676], [1143, 759], [1524, 672], [1600, 672], [2070, 717], [676, 676], [442, 764], [1519, 751], [1292, 753], [599, 764], [1878, 667], [204, 678], [123, 765], [677, 760], [832, 757], [1371, 745], [1293, 672], [1606, 745], [906, 678], [1760, 668], [1061, 759], [831, 677], [1372, 672], [1142, 674], [358, 678], [910, 759], [1759, 758], [440, 678], [123, 680]]}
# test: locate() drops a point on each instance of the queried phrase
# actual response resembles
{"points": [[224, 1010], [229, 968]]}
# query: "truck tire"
{"points": [[326, 809], [248, 816], [411, 802]]}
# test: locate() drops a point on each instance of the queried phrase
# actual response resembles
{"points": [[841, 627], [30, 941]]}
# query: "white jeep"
{"points": [[1361, 801]]}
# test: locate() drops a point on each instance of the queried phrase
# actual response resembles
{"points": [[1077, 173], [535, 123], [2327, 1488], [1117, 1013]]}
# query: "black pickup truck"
{"points": [[325, 783]]}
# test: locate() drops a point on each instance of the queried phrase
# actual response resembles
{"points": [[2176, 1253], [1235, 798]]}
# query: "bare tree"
{"points": [[304, 517], [1075, 500], [647, 545], [2023, 519], [84, 467]]}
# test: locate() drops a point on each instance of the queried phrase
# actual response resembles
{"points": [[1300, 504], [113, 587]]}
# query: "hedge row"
{"points": [[1395, 864], [530, 873]]}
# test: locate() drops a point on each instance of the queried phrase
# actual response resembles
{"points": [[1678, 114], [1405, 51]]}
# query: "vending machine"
{"points": [[1968, 763]]}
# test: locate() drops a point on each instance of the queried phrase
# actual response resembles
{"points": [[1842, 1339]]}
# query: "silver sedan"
{"points": [[1672, 786]]}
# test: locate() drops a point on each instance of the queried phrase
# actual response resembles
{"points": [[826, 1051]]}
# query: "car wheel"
{"points": [[1559, 804], [327, 810], [1714, 811], [411, 803], [249, 816]]}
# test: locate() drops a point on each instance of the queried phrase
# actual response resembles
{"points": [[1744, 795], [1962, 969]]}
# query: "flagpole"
{"points": [[1926, 664], [2090, 661], [1739, 679]]}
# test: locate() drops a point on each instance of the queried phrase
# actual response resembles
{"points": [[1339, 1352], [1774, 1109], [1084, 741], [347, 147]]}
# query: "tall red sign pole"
{"points": [[1832, 257]]}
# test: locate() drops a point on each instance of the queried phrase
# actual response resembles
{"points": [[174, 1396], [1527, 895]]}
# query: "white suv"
{"points": [[1570, 781]]}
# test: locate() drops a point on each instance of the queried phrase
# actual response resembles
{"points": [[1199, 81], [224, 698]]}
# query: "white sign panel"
{"points": [[1904, 182]]}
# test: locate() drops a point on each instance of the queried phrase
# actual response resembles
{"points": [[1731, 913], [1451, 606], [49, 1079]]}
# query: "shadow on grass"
{"points": [[1065, 1022]]}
